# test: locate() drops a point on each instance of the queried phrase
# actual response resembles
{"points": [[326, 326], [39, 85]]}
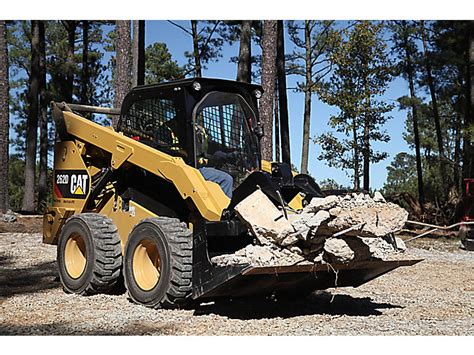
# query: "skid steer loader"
{"points": [[132, 203]]}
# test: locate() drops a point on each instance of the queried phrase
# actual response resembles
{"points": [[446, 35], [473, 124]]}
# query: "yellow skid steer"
{"points": [[132, 205]]}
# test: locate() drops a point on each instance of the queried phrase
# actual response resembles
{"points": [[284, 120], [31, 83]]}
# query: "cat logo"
{"points": [[78, 184], [71, 184]]}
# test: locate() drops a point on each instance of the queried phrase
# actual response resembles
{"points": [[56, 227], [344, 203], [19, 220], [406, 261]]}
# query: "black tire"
{"points": [[97, 238], [172, 241]]}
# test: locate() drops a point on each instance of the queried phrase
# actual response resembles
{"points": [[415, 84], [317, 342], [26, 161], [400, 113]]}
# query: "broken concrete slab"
{"points": [[319, 203], [306, 224], [337, 250], [362, 248], [263, 219], [319, 217], [379, 248], [359, 247], [300, 224], [378, 221]]}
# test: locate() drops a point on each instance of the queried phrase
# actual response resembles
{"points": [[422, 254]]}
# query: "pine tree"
{"points": [[71, 27], [4, 118], [159, 65], [469, 59], [282, 96], [29, 204], [43, 121], [362, 71], [206, 45], [405, 48], [52, 83], [123, 69], [138, 52], [245, 33], [403, 177], [277, 128], [19, 60], [269, 46], [84, 97], [309, 60], [434, 103], [244, 67], [449, 53]]}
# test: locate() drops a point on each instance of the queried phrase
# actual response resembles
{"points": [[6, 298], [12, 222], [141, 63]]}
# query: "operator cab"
{"points": [[207, 122]]}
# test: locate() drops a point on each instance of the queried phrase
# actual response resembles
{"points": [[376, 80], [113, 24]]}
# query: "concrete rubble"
{"points": [[333, 229], [8, 217], [260, 255]]}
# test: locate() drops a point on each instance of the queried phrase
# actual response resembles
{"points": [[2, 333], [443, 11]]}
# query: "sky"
{"points": [[178, 42]]}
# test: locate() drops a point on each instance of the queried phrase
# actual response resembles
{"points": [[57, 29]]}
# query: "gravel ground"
{"points": [[434, 297]]}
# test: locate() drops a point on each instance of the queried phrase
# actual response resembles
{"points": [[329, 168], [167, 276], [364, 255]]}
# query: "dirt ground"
{"points": [[23, 224], [434, 297]]}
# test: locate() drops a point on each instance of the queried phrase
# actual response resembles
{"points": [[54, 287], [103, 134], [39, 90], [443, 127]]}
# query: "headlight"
{"points": [[257, 93]]}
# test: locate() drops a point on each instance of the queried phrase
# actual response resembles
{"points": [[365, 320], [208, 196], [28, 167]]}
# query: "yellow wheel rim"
{"points": [[146, 265], [75, 256]]}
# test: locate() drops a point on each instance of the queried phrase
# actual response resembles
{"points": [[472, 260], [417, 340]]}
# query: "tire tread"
{"points": [[180, 243], [107, 265]]}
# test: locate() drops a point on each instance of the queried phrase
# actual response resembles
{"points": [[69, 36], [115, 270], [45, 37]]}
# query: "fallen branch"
{"points": [[435, 228]]}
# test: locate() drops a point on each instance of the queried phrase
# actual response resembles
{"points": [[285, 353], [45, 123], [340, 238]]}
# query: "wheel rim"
{"points": [[75, 256], [146, 265]]}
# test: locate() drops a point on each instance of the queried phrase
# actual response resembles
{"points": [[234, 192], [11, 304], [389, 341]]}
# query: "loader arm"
{"points": [[207, 196]]}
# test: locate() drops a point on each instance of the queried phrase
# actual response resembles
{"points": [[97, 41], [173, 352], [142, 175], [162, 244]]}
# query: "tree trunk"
{"points": [[4, 118], [43, 122], [32, 122], [282, 97], [356, 156], [277, 127], [138, 52], [141, 53], [269, 39], [123, 69], [70, 27], [85, 63], [471, 88], [366, 140], [414, 110], [135, 45], [244, 67], [436, 116], [367, 124], [468, 151], [457, 152], [196, 54], [366, 154], [419, 170], [307, 100]]}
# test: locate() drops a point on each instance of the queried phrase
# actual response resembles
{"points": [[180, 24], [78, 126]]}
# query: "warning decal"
{"points": [[71, 183]]}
